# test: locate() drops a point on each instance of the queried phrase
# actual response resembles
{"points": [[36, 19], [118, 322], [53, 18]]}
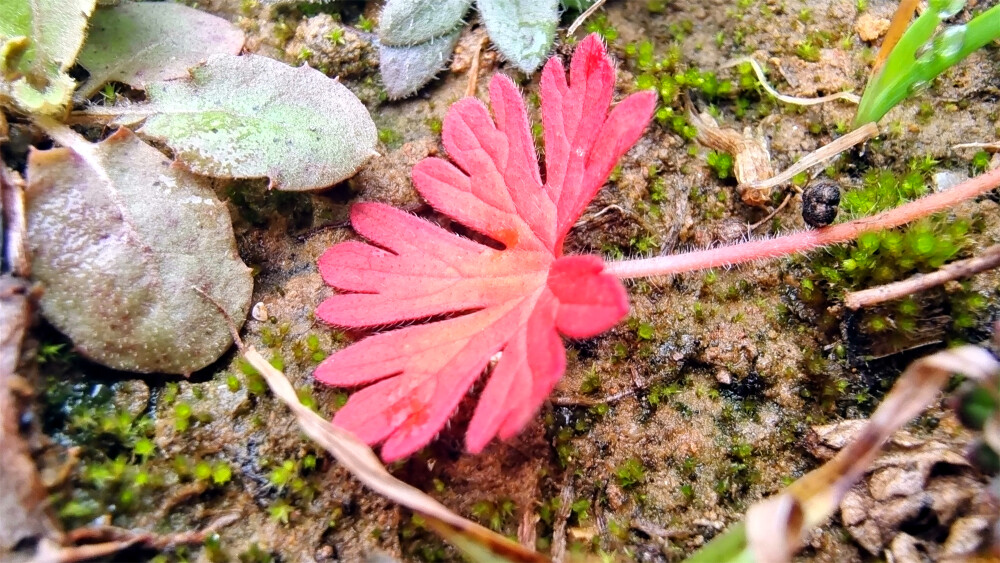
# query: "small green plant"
{"points": [[366, 24], [920, 56]]}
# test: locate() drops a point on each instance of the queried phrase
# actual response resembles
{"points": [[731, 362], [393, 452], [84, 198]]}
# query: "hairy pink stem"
{"points": [[805, 240]]}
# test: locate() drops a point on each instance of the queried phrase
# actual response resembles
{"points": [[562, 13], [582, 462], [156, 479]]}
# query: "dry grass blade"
{"points": [[583, 17], [900, 21], [476, 542], [824, 153], [794, 100], [775, 526]]}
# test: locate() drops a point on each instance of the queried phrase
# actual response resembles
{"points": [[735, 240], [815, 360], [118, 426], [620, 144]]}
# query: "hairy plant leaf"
{"points": [[119, 239], [514, 301], [411, 22], [251, 117], [143, 42], [405, 69], [522, 30], [39, 41]]}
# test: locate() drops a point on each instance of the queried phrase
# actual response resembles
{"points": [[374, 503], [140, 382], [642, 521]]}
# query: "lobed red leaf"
{"points": [[509, 304]]}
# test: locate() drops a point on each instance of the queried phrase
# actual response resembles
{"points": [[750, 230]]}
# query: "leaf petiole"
{"points": [[805, 240]]}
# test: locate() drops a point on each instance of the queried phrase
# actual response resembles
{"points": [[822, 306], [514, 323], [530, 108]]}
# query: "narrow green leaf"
{"points": [[251, 117]]}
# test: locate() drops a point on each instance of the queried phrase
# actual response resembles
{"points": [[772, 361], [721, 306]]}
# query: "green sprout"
{"points": [[366, 24], [920, 56]]}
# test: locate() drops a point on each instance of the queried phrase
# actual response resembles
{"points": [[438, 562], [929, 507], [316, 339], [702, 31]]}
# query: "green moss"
{"points": [[591, 382], [599, 24], [807, 51], [144, 448], [497, 515], [645, 331], [389, 137], [282, 475], [280, 511], [182, 416], [254, 554], [336, 36], [721, 163], [630, 473], [435, 125], [980, 162]]}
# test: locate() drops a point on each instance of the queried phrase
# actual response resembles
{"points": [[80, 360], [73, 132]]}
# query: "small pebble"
{"points": [[820, 203], [259, 311]]}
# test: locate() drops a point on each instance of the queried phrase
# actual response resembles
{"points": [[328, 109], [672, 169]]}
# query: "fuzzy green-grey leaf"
{"points": [[251, 117], [523, 30], [405, 69], [34, 74], [120, 238], [139, 43], [411, 22]]}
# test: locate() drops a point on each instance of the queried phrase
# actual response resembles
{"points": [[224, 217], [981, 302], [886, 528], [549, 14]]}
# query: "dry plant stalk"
{"points": [[775, 527], [987, 260], [900, 21], [819, 156], [751, 160]]}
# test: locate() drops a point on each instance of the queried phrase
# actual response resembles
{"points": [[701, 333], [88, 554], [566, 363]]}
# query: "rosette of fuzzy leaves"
{"points": [[417, 36], [416, 39]]}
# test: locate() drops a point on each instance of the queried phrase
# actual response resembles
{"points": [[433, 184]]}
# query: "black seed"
{"points": [[820, 203]]}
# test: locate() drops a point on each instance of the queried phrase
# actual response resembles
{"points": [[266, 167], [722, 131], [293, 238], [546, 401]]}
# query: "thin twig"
{"points": [[583, 17], [794, 100], [590, 402], [988, 259], [114, 539], [788, 197]]}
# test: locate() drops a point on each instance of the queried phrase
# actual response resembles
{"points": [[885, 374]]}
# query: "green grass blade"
{"points": [[730, 547], [905, 73]]}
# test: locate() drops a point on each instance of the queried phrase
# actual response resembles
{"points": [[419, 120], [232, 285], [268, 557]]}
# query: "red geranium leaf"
{"points": [[508, 303]]}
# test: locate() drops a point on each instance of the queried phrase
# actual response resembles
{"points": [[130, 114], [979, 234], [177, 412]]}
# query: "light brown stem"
{"points": [[988, 259]]}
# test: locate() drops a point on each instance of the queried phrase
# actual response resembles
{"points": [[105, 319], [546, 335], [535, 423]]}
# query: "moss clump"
{"points": [[498, 515], [721, 163], [599, 24], [885, 256], [630, 473], [669, 75]]}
